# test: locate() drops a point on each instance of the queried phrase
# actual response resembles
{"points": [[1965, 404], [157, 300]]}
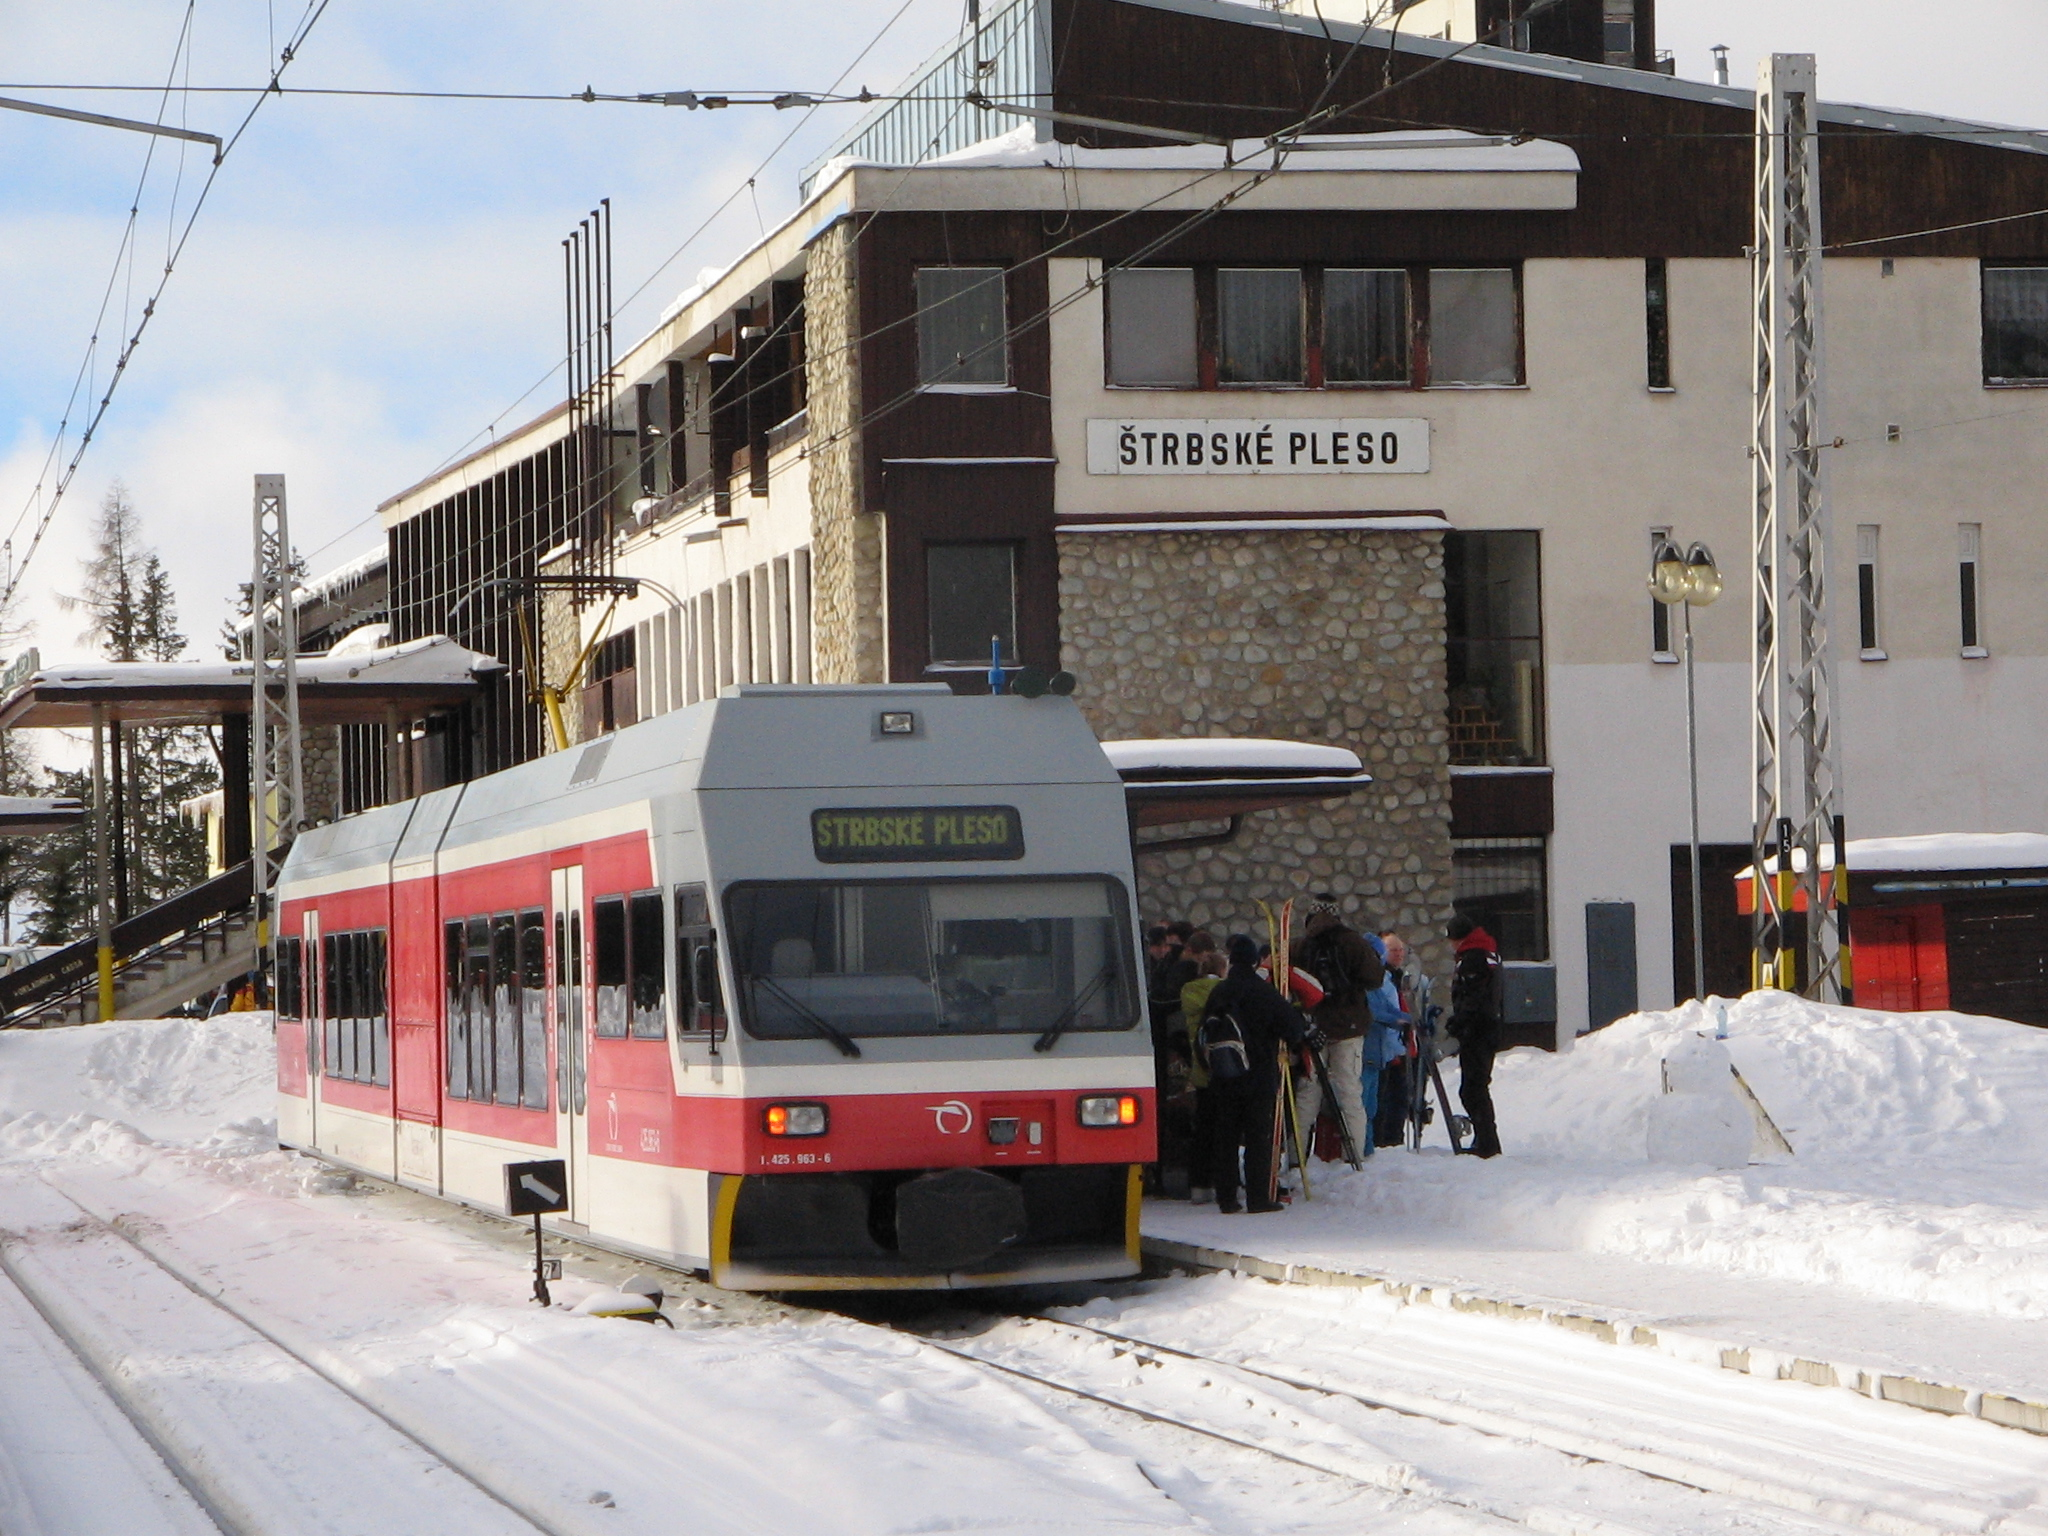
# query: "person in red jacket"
{"points": [[1476, 1021]]}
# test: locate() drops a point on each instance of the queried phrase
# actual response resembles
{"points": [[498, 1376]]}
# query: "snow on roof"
{"points": [[1228, 755], [1403, 150], [430, 659], [1935, 851]]}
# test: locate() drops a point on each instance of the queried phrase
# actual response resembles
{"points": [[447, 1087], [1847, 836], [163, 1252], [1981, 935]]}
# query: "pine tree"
{"points": [[132, 615]]}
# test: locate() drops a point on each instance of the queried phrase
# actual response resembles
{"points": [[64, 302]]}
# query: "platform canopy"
{"points": [[359, 688], [1217, 778], [27, 815]]}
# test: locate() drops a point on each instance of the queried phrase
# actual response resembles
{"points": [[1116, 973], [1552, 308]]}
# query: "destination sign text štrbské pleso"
{"points": [[924, 834]]}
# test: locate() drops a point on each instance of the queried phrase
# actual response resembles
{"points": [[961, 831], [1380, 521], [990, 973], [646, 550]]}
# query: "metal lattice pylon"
{"points": [[1796, 788], [276, 777]]}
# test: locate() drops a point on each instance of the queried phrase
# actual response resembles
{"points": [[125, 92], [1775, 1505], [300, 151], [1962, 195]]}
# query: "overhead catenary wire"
{"points": [[314, 11]]}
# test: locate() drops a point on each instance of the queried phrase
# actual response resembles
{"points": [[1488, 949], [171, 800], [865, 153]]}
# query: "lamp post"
{"points": [[1688, 581]]}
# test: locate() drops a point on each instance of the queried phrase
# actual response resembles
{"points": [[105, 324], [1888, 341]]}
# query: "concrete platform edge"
{"points": [[1909, 1391]]}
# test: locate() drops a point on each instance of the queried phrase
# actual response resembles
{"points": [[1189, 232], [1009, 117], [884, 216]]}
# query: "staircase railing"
{"points": [[36, 985]]}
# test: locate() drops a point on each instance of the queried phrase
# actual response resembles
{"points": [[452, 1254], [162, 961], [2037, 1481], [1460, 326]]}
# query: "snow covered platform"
{"points": [[1899, 1251]]}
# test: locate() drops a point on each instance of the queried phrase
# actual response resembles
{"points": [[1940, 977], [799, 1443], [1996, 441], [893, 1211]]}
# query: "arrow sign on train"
{"points": [[536, 1189]]}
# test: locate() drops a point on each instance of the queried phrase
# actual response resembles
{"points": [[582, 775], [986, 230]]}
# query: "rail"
{"points": [[44, 981]]}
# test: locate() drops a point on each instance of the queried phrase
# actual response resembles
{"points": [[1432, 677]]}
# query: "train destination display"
{"points": [[916, 834]]}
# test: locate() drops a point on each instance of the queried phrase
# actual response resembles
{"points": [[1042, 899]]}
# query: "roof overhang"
{"points": [[1171, 781], [26, 816], [427, 674]]}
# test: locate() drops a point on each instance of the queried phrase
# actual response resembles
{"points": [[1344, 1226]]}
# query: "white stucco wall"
{"points": [[1593, 459]]}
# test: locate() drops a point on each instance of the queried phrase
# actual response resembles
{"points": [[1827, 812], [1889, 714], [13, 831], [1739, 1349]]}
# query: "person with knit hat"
{"points": [[1246, 1105], [1476, 1021], [1348, 968]]}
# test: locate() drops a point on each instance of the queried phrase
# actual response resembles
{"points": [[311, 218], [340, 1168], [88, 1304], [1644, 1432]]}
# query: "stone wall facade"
{"points": [[1310, 636], [846, 538]]}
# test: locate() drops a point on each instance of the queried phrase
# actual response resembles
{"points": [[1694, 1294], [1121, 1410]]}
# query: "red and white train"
{"points": [[817, 988]]}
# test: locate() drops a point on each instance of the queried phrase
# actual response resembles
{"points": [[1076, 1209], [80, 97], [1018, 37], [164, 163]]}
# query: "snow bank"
{"points": [[1919, 1171], [112, 1090]]}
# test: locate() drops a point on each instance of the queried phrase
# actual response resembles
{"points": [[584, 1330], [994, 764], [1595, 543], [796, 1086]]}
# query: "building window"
{"points": [[1365, 326], [1494, 628], [1152, 328], [1258, 326], [1660, 613], [1657, 321], [971, 600], [1499, 883], [1474, 326], [1969, 548], [1869, 646], [1289, 328], [2016, 325], [960, 326]]}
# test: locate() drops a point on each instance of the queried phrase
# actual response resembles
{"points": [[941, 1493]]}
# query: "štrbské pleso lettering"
{"points": [[1277, 446], [923, 834]]}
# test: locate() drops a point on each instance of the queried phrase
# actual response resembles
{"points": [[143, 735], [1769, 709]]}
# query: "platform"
{"points": [[1926, 1357]]}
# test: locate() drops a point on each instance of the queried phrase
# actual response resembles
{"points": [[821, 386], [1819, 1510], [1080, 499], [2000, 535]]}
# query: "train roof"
{"points": [[752, 737]]}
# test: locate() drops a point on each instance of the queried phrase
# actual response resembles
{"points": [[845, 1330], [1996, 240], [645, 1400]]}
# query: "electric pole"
{"points": [[1796, 769], [276, 778]]}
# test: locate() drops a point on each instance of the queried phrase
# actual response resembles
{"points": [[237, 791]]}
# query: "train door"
{"points": [[314, 1012], [571, 1033]]}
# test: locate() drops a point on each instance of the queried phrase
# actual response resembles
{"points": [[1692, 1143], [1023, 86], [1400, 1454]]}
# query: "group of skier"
{"points": [[1257, 1063]]}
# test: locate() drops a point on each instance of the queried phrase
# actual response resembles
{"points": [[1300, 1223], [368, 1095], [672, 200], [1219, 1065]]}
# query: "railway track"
{"points": [[265, 1438], [1197, 1419]]}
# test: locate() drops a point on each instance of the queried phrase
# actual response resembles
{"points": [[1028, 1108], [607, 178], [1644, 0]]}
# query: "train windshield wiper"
{"points": [[1068, 1014], [821, 1025]]}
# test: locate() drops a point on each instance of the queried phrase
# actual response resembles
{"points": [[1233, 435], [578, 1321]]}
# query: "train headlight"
{"points": [[1103, 1111], [795, 1120]]}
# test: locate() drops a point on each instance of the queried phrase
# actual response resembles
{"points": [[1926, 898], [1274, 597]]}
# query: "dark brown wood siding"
{"points": [[1661, 176], [1000, 503]]}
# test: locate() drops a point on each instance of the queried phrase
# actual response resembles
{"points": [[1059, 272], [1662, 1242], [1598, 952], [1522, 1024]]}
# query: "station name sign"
{"points": [[925, 834], [1236, 446]]}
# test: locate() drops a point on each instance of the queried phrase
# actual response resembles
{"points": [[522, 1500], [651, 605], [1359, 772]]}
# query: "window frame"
{"points": [[974, 664], [1657, 325], [1984, 270], [1660, 613], [1869, 607], [1970, 594], [1418, 277], [941, 385]]}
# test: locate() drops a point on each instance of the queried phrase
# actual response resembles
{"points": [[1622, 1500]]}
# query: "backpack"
{"points": [[1221, 1043], [1325, 957]]}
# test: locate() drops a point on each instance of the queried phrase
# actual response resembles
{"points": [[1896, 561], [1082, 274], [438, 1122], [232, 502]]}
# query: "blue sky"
{"points": [[373, 281]]}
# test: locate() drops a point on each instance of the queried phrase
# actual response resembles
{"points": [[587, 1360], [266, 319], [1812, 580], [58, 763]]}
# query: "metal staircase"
{"points": [[163, 957]]}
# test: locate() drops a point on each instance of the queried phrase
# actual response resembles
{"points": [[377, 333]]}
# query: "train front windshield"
{"points": [[942, 957]]}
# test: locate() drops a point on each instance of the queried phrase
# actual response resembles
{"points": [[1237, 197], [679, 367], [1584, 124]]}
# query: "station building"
{"points": [[1366, 443]]}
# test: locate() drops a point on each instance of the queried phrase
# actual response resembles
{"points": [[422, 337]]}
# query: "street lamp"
{"points": [[1689, 581]]}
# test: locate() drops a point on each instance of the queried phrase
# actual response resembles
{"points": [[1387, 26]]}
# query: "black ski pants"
{"points": [[1475, 1092], [1244, 1119]]}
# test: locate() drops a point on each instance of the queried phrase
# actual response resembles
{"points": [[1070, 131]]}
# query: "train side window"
{"points": [[533, 1005], [330, 1006], [380, 1009], [476, 990], [700, 1010], [361, 1014], [289, 999], [650, 973], [608, 920], [505, 1009], [458, 1035]]}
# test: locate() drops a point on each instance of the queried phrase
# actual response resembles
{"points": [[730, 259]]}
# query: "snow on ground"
{"points": [[748, 1426], [1918, 1178]]}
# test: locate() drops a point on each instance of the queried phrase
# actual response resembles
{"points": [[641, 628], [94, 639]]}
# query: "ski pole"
{"points": [[1351, 1153]]}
